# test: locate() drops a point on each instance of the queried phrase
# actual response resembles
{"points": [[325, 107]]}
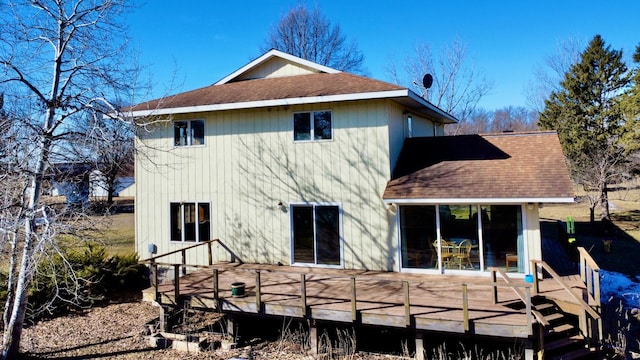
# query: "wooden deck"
{"points": [[444, 303]]}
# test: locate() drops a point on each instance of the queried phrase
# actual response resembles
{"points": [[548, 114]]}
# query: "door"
{"points": [[315, 233]]}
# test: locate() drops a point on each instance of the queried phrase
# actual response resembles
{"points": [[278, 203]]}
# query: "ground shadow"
{"points": [[620, 256]]}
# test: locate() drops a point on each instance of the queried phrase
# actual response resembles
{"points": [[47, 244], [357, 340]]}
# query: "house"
{"points": [[287, 162], [123, 185], [291, 162]]}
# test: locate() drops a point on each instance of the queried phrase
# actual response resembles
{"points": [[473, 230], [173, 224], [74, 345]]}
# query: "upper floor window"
{"points": [[190, 221], [312, 125], [188, 133]]}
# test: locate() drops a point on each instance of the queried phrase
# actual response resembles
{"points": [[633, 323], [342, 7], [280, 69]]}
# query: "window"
{"points": [[314, 125], [190, 221], [476, 237], [188, 133], [316, 234]]}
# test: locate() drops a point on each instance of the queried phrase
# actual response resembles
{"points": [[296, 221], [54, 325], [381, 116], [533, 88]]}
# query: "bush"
{"points": [[76, 279]]}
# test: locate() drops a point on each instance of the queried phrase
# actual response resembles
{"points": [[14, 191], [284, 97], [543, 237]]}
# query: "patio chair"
{"points": [[462, 254], [447, 253]]}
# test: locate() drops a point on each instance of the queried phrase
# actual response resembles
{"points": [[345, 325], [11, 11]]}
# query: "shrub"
{"points": [[76, 279]]}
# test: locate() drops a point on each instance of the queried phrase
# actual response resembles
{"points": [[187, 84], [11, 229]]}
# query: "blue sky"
{"points": [[191, 44]]}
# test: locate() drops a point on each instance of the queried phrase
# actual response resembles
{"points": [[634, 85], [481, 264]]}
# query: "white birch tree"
{"points": [[62, 62]]}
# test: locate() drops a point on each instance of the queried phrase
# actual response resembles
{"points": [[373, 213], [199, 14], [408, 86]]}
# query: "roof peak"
{"points": [[269, 55]]}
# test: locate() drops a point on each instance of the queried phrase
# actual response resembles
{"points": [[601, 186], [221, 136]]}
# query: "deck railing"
{"points": [[590, 321], [590, 274], [524, 297], [154, 264], [353, 281]]}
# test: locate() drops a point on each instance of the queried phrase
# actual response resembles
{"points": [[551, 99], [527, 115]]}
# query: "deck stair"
{"points": [[562, 338]]}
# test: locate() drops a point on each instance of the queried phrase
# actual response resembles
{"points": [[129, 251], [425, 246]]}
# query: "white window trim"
{"points": [[312, 129], [291, 240], [182, 232], [189, 139]]}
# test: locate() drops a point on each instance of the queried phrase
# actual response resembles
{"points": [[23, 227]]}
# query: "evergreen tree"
{"points": [[587, 114], [631, 110]]}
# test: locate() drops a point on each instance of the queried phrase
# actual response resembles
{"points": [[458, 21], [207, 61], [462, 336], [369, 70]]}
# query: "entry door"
{"points": [[316, 234]]}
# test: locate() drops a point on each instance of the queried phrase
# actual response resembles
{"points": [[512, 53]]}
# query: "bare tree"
{"points": [[549, 74], [107, 147], [457, 87], [310, 35], [62, 62]]}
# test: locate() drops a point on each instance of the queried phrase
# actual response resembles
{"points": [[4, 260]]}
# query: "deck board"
{"points": [[436, 301]]}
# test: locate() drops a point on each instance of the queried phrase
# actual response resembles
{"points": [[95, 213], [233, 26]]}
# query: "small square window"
{"points": [[190, 221], [315, 125], [188, 133]]}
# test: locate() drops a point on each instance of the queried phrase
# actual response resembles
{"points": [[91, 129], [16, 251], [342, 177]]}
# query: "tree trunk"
{"points": [[13, 329], [592, 214], [604, 203], [11, 279]]}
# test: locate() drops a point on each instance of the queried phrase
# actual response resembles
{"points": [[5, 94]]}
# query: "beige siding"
{"points": [[277, 67], [532, 228], [396, 135], [250, 163], [422, 127]]}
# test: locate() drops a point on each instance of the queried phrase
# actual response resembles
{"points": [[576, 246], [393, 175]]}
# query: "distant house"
{"points": [[71, 180], [124, 185], [291, 162]]}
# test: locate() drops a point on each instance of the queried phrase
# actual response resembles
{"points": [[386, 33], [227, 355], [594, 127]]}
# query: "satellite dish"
{"points": [[427, 81]]}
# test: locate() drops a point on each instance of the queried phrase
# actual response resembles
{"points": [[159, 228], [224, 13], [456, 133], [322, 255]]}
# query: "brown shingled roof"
{"points": [[321, 84], [504, 166]]}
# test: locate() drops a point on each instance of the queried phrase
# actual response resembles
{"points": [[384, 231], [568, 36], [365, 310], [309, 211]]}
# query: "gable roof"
{"points": [[497, 168], [317, 84], [273, 53]]}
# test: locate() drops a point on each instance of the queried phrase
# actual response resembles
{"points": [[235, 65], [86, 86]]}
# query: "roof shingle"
{"points": [[498, 166], [321, 84]]}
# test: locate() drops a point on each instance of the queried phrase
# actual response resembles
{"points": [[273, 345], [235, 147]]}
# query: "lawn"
{"points": [[625, 216], [117, 233]]}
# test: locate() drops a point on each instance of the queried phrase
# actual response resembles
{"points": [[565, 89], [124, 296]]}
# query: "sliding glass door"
{"points": [[471, 237], [316, 234]]}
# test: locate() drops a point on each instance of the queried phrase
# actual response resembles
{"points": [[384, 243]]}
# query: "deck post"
{"points": [[184, 261], [354, 307], [258, 295], [209, 254], [527, 293], [419, 346], [536, 279], [494, 292], [303, 294], [313, 337], [407, 303], [176, 282], [216, 289], [541, 331], [529, 351], [154, 281], [165, 314], [232, 327], [465, 307]]}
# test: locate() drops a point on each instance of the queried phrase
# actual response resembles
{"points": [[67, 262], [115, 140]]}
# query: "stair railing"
{"points": [[590, 274], [524, 297], [592, 330]]}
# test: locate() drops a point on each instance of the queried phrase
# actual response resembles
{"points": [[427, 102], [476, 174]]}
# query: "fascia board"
{"points": [[415, 97]]}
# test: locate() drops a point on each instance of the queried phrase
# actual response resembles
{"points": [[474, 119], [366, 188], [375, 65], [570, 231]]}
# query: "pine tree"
{"points": [[631, 109], [587, 114]]}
